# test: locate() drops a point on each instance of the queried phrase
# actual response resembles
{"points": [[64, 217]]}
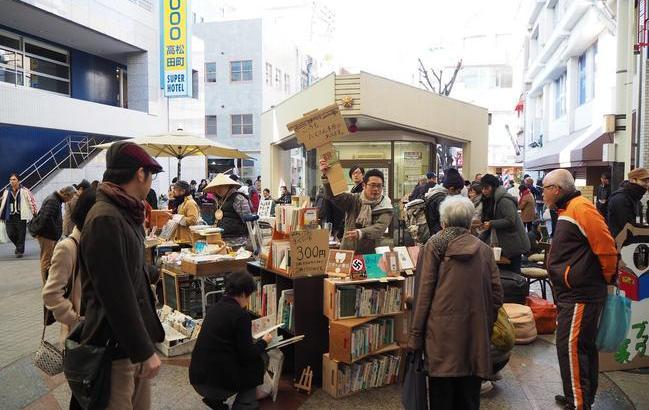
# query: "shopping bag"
{"points": [[614, 322], [414, 393], [4, 238]]}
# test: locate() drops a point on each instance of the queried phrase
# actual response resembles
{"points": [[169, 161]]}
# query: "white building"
{"points": [[87, 70], [569, 86]]}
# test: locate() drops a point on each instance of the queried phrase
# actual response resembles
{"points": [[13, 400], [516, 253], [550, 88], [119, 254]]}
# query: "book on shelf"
{"points": [[284, 342], [291, 218], [413, 251], [405, 262], [285, 310], [373, 266], [256, 299], [372, 372], [360, 301], [268, 300], [371, 337], [409, 286], [281, 254]]}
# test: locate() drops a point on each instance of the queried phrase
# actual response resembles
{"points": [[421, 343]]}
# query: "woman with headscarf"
{"points": [[187, 208], [231, 206]]}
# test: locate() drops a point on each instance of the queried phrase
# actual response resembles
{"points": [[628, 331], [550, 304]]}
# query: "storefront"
{"points": [[393, 127]]}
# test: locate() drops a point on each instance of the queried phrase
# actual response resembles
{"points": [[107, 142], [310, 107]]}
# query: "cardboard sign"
{"points": [[309, 250], [335, 173], [319, 127], [265, 208], [339, 263], [633, 246], [392, 263]]}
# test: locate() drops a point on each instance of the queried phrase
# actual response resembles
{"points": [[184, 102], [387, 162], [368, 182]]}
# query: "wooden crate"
{"points": [[171, 283], [214, 268], [330, 285], [340, 338], [330, 376], [176, 350]]}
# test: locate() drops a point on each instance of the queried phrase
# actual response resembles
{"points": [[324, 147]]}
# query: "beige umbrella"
{"points": [[180, 144]]}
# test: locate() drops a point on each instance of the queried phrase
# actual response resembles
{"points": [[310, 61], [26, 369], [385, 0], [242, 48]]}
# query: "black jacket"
{"points": [[432, 209], [329, 212], [48, 223], [357, 189], [624, 207], [511, 234], [116, 298], [225, 354]]}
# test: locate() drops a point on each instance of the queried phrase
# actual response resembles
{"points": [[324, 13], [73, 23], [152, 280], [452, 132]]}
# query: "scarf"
{"points": [[364, 217], [131, 206], [442, 238]]}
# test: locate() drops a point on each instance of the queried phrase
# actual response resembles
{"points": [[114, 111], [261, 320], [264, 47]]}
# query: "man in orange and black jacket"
{"points": [[582, 261]]}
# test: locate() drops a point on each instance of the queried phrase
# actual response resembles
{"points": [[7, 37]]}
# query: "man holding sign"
{"points": [[367, 214]]}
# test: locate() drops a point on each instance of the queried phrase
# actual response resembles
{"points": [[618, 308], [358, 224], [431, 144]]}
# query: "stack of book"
{"points": [[366, 374], [359, 301], [281, 258], [263, 301], [409, 287], [372, 336], [285, 310], [290, 218]]}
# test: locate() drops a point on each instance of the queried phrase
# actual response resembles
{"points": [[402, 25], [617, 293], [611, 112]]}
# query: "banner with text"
{"points": [[177, 70]]}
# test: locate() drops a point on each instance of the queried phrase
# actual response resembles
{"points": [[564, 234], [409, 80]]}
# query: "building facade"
{"points": [[85, 69], [569, 87]]}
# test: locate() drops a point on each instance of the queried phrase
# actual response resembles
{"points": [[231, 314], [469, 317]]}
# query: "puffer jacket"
{"points": [[433, 200], [583, 256], [505, 220], [48, 223], [624, 207]]}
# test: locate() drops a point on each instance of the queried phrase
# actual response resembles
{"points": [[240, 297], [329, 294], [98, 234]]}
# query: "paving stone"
{"points": [[20, 385]]}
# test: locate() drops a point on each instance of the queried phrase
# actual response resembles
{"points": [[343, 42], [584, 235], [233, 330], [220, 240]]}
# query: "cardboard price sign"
{"points": [[335, 173], [309, 250], [339, 263], [319, 127]]}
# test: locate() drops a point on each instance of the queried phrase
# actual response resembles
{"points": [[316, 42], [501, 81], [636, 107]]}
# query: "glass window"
{"points": [[46, 52], [411, 162], [46, 67], [278, 78], [269, 74], [10, 76], [194, 84], [581, 64], [210, 72], [560, 96], [47, 83], [10, 41], [210, 125], [287, 84], [587, 67], [241, 124], [241, 70], [10, 59], [503, 77]]}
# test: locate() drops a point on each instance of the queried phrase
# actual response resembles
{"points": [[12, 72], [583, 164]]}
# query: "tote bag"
{"points": [[614, 322]]}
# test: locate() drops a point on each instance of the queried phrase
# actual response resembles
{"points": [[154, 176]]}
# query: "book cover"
{"points": [[413, 251], [404, 258], [372, 266]]}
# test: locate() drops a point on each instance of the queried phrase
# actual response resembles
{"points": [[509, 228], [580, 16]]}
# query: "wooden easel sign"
{"points": [[339, 263]]}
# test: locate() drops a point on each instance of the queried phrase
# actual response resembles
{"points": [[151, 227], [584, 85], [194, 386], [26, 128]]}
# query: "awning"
{"points": [[584, 149]]}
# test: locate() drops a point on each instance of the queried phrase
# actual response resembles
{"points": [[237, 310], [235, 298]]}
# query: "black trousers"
{"points": [[16, 229], [454, 393], [577, 352]]}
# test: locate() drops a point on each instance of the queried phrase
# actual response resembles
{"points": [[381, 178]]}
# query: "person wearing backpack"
{"points": [[452, 185]]}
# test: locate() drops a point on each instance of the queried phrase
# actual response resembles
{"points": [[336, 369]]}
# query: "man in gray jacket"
{"points": [[500, 217], [367, 214]]}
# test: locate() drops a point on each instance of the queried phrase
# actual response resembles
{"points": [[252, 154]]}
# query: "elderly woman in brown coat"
{"points": [[456, 306]]}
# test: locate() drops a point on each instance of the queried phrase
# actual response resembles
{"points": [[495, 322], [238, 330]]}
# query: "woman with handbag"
{"points": [[458, 299], [62, 290]]}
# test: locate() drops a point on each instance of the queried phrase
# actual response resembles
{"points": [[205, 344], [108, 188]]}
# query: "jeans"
{"points": [[16, 229]]}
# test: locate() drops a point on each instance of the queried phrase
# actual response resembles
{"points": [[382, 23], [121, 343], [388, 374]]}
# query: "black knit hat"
{"points": [[489, 179], [127, 155], [453, 179]]}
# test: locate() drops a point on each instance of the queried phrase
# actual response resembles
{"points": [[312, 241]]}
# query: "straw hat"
{"points": [[220, 180]]}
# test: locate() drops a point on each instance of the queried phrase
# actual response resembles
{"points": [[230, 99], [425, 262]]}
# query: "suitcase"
{"points": [[522, 319], [515, 287], [545, 314]]}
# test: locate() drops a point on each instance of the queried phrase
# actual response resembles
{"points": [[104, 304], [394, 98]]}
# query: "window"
{"points": [[269, 74], [241, 70], [503, 77], [210, 72], [194, 84], [278, 78], [24, 61], [587, 67], [241, 124], [210, 125], [560, 96], [287, 83]]}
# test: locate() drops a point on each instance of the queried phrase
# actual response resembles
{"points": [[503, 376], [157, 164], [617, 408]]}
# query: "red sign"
{"points": [[358, 264]]}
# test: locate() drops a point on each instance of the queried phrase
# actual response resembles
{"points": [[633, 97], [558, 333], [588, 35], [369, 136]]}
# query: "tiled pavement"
{"points": [[529, 382]]}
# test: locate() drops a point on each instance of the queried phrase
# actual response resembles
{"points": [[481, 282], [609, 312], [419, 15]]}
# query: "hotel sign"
{"points": [[176, 67]]}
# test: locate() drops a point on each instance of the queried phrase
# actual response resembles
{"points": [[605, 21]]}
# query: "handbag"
{"points": [[4, 238], [48, 357], [614, 322], [414, 394], [88, 370]]}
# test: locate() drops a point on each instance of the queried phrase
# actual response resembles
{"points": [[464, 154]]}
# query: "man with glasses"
{"points": [[367, 214], [624, 206], [582, 261], [17, 207]]}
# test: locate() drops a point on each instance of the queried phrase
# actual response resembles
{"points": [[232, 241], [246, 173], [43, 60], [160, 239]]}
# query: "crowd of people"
{"points": [[96, 282]]}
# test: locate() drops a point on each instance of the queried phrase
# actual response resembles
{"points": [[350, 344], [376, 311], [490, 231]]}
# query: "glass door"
{"points": [[384, 166]]}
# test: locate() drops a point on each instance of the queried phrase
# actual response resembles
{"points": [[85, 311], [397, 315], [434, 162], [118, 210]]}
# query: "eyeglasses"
{"points": [[551, 186], [375, 186]]}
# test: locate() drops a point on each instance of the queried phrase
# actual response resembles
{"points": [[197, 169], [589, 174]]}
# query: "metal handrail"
{"points": [[65, 152]]}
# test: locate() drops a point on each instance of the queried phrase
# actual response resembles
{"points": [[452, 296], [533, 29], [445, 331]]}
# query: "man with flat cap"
{"points": [[119, 304]]}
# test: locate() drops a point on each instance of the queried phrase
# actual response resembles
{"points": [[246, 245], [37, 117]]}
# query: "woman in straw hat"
{"points": [[231, 206]]}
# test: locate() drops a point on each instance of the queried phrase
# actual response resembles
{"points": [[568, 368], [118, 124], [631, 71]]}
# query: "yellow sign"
{"points": [[177, 80]]}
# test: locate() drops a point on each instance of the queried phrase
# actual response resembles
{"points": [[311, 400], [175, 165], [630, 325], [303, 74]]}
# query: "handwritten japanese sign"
{"points": [[309, 249], [335, 173], [319, 127]]}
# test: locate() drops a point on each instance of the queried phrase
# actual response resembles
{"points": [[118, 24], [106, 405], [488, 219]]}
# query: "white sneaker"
{"points": [[486, 387]]}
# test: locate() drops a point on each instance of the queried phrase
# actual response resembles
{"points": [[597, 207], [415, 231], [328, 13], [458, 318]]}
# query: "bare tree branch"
{"points": [[449, 86], [423, 70], [424, 84]]}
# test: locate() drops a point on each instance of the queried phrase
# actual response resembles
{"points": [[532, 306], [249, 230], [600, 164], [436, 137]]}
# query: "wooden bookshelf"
{"points": [[308, 318], [340, 330]]}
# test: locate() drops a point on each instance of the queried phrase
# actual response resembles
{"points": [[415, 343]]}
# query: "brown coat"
{"points": [[189, 209], [456, 306], [527, 208]]}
